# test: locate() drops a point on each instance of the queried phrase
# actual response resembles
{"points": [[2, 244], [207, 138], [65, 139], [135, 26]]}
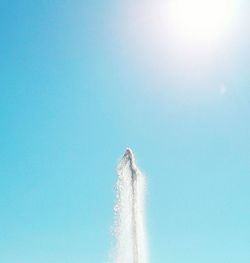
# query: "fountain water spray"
{"points": [[130, 232]]}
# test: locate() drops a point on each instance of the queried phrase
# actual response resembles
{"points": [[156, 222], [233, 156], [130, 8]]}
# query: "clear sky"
{"points": [[82, 80]]}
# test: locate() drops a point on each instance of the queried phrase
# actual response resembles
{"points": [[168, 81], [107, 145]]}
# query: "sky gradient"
{"points": [[82, 80]]}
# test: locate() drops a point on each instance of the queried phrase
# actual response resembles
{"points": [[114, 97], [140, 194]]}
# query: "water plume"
{"points": [[131, 245]]}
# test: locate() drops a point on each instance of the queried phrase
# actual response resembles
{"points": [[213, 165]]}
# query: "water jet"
{"points": [[131, 245]]}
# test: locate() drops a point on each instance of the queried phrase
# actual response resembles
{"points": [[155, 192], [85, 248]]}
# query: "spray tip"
{"points": [[129, 156], [129, 153]]}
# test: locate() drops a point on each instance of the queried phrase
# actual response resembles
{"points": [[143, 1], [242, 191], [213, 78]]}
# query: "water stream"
{"points": [[131, 245]]}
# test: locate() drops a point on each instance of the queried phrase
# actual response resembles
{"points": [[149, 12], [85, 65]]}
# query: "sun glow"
{"points": [[201, 21]]}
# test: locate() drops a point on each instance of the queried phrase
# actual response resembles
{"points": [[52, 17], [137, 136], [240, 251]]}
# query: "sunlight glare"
{"points": [[201, 21]]}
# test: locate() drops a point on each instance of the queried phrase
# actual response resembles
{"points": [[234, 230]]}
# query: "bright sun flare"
{"points": [[201, 21]]}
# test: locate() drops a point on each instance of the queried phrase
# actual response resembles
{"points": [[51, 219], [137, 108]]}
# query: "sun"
{"points": [[201, 21]]}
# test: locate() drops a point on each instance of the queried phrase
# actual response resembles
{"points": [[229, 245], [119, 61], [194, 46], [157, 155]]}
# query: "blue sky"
{"points": [[82, 80]]}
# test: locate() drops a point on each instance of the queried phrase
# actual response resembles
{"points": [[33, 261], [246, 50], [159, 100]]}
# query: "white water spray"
{"points": [[130, 231]]}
